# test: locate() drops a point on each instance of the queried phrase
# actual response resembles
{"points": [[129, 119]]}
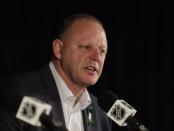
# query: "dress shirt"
{"points": [[72, 106]]}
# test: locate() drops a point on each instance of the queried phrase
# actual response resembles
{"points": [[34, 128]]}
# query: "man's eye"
{"points": [[103, 51], [84, 47]]}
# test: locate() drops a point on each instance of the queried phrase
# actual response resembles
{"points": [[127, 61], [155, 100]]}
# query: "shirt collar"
{"points": [[66, 94]]}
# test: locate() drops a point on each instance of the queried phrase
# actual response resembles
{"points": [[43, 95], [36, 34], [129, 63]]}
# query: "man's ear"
{"points": [[57, 46]]}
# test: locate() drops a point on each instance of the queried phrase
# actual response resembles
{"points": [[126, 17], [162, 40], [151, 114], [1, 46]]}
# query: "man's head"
{"points": [[79, 51]]}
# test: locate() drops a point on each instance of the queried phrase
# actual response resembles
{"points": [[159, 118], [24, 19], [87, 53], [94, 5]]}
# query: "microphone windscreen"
{"points": [[106, 99], [10, 100]]}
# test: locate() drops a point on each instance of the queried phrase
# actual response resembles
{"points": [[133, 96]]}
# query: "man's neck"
{"points": [[75, 89]]}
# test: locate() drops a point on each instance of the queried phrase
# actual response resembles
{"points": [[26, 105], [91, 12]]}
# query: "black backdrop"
{"points": [[139, 64]]}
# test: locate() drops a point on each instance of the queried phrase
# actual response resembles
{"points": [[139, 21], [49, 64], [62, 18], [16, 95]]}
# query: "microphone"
{"points": [[31, 110], [119, 110], [37, 113]]}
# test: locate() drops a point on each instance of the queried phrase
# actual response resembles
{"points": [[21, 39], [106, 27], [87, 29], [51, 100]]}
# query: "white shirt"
{"points": [[71, 106]]}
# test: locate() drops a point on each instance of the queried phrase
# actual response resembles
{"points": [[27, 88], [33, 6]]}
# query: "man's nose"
{"points": [[95, 54]]}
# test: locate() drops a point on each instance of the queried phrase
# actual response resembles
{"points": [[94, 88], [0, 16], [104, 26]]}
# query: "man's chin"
{"points": [[91, 82]]}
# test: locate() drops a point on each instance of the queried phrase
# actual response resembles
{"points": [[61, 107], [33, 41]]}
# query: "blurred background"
{"points": [[139, 65]]}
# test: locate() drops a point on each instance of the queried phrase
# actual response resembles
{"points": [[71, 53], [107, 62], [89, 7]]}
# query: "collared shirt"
{"points": [[72, 106]]}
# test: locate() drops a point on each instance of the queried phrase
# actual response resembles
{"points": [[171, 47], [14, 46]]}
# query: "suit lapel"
{"points": [[51, 93], [52, 97]]}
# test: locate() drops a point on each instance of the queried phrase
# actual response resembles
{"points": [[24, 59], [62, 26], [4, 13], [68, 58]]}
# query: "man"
{"points": [[78, 57]]}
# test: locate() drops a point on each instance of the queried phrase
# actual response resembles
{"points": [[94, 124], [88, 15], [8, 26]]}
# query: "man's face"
{"points": [[83, 52]]}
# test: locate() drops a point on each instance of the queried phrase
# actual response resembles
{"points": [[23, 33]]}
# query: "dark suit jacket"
{"points": [[40, 84]]}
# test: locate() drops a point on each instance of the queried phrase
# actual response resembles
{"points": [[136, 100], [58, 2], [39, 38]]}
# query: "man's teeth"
{"points": [[91, 68]]}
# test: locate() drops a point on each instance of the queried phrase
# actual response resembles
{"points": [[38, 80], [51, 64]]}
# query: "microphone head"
{"points": [[117, 110], [10, 100], [31, 109], [106, 99], [25, 108]]}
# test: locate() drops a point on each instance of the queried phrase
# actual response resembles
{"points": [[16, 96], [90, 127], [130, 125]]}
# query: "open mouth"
{"points": [[91, 68]]}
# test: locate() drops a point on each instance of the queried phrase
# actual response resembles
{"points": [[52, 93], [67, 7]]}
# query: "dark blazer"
{"points": [[41, 84]]}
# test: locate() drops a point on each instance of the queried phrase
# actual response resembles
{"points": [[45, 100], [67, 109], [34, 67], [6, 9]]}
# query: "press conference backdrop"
{"points": [[139, 64]]}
